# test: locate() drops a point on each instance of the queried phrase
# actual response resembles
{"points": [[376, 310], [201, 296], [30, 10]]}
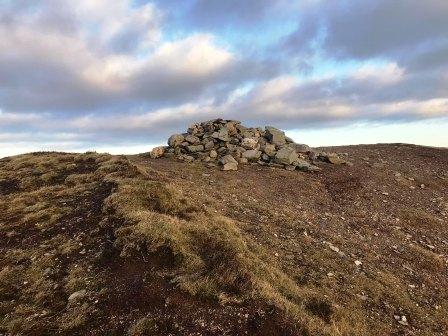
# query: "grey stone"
{"points": [[222, 134], [209, 145], [221, 150], [213, 154], [332, 158], [312, 155], [157, 152], [300, 148], [275, 136], [231, 147], [195, 148], [235, 141], [252, 155], [236, 154], [175, 140], [191, 129], [286, 156], [228, 159], [231, 128], [262, 141], [188, 158], [305, 166], [200, 155], [335, 159], [77, 295], [192, 139], [249, 143], [230, 166], [269, 149]]}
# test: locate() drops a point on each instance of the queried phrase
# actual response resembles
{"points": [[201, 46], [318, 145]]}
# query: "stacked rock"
{"points": [[229, 144]]}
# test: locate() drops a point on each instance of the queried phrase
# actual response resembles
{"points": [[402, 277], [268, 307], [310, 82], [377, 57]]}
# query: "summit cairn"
{"points": [[228, 144]]}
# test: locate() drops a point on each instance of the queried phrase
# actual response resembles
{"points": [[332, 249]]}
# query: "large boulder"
{"points": [[335, 159], [269, 149], [286, 155], [332, 158], [229, 163], [305, 166], [192, 139], [300, 148], [222, 134], [157, 152], [251, 155], [227, 159], [195, 148], [249, 143], [275, 136], [175, 140]]}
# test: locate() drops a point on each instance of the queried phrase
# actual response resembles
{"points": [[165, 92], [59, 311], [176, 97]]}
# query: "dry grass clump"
{"points": [[42, 197], [207, 255], [146, 326]]}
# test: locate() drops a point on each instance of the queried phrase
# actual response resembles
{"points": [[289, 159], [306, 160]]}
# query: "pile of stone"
{"points": [[228, 144]]}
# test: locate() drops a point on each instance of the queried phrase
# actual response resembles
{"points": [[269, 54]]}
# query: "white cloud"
{"points": [[383, 74], [424, 109], [196, 55], [56, 70], [274, 88], [17, 118]]}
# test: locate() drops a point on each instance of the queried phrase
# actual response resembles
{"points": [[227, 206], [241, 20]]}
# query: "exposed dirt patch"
{"points": [[9, 186]]}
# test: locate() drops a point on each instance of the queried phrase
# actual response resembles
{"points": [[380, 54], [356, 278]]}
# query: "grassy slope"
{"points": [[162, 247]]}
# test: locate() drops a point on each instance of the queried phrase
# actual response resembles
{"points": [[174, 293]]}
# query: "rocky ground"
{"points": [[94, 244]]}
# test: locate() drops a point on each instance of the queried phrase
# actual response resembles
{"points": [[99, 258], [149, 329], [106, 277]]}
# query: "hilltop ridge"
{"points": [[96, 244]]}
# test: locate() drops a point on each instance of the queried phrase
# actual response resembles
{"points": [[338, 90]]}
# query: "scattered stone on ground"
{"points": [[228, 143], [77, 295], [401, 319]]}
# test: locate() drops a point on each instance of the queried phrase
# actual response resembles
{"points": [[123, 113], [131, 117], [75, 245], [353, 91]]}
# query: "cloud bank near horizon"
{"points": [[95, 72]]}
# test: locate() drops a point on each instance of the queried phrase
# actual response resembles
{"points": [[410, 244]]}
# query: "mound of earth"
{"points": [[95, 244]]}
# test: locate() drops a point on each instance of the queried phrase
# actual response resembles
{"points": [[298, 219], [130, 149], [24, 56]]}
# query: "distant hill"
{"points": [[95, 244]]}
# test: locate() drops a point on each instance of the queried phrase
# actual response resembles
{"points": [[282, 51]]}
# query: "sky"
{"points": [[121, 76]]}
